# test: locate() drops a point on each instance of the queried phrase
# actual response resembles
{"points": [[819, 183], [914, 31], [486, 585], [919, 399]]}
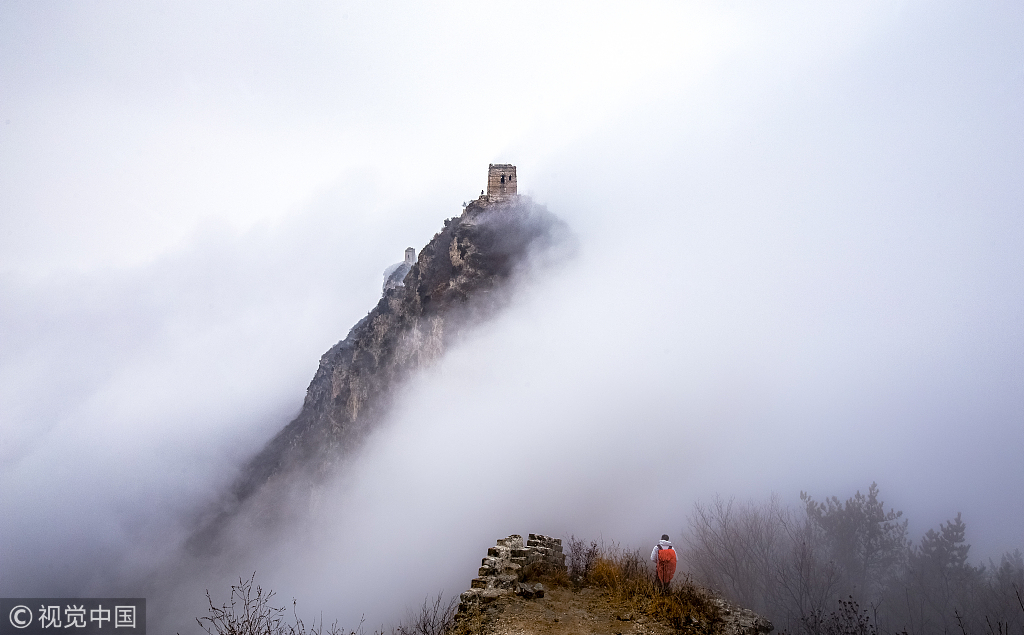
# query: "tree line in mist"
{"points": [[849, 567]]}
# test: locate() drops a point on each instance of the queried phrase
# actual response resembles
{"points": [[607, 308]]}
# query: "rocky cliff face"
{"points": [[461, 276]]}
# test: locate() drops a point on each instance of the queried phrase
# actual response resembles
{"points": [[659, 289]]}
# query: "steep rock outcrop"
{"points": [[460, 277]]}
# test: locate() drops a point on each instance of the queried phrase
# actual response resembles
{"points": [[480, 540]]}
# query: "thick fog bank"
{"points": [[798, 269]]}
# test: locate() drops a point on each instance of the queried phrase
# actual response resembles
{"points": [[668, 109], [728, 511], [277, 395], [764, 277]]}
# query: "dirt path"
{"points": [[563, 612]]}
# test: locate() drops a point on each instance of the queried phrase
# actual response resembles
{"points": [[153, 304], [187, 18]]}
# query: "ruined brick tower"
{"points": [[501, 181]]}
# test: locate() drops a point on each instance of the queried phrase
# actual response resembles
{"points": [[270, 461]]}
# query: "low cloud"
{"points": [[797, 270]]}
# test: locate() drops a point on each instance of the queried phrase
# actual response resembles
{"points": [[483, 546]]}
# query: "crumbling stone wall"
{"points": [[501, 181], [506, 563]]}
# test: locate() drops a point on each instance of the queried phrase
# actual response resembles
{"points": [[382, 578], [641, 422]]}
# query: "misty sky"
{"points": [[800, 226]]}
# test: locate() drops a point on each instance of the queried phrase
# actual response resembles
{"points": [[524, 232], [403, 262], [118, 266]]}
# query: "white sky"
{"points": [[801, 227]]}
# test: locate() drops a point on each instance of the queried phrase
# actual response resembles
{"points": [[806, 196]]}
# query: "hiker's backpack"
{"points": [[666, 564]]}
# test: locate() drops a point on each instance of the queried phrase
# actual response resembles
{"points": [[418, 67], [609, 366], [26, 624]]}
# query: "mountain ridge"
{"points": [[461, 277]]}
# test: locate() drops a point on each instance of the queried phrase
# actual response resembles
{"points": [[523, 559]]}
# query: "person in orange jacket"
{"points": [[664, 555]]}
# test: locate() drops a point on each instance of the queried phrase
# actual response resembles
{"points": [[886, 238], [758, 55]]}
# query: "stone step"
{"points": [[481, 582]]}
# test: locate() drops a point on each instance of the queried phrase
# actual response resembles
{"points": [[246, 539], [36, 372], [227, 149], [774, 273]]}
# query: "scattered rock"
{"points": [[741, 621], [530, 591]]}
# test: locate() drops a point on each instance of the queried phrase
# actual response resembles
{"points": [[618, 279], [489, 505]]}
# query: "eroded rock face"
{"points": [[460, 277]]}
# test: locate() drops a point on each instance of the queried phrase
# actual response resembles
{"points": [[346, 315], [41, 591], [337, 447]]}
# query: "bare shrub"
{"points": [[795, 565], [250, 612], [581, 558], [434, 618], [849, 619], [737, 548], [765, 557]]}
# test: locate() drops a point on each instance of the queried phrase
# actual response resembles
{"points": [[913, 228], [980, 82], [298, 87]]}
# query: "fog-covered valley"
{"points": [[797, 268]]}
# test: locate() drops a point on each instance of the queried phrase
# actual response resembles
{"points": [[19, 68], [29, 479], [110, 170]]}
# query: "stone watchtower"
{"points": [[501, 181]]}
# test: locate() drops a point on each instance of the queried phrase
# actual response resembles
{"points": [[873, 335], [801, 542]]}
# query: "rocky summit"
{"points": [[462, 276]]}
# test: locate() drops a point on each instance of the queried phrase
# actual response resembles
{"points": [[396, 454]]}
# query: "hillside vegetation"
{"points": [[605, 590], [849, 566]]}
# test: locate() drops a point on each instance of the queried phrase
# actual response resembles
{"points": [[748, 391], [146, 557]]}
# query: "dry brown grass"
{"points": [[546, 574], [630, 579]]}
